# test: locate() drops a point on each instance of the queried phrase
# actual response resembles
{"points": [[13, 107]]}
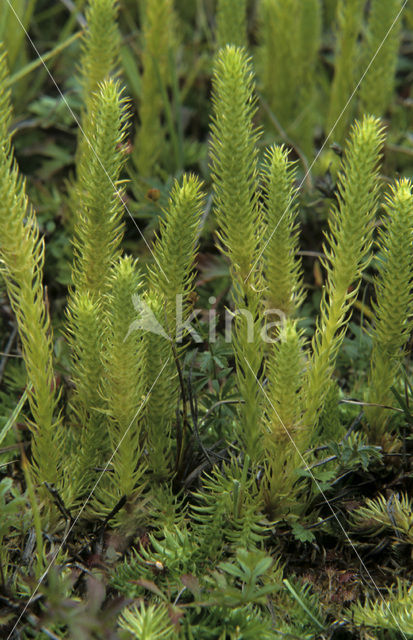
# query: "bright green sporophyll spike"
{"points": [[234, 158], [393, 308], [22, 257], [347, 253]]}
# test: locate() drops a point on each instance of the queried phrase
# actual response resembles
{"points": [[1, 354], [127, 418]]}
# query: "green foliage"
{"points": [[99, 58], [12, 517], [248, 351], [330, 422], [329, 11], [170, 282], [84, 317], [285, 368], [98, 229], [282, 426], [10, 509], [246, 621], [289, 40], [196, 470], [231, 23], [307, 107], [226, 510], [174, 252], [162, 389], [307, 614], [235, 183], [100, 47], [354, 451], [233, 146], [282, 267], [229, 597], [11, 34], [393, 307], [147, 622], [349, 16], [97, 235], [279, 56], [347, 253], [394, 513], [172, 553], [393, 612], [124, 361], [159, 44], [380, 50], [22, 256], [249, 568]]}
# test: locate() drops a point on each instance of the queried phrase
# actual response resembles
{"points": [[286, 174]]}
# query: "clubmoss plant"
{"points": [[162, 387], [380, 51], [231, 23], [226, 511], [89, 441], [307, 103], [282, 267], [289, 40], [282, 424], [330, 420], [100, 50], [393, 308], [279, 55], [348, 23], [175, 249], [392, 611], [235, 183], [347, 252], [200, 455], [123, 391], [408, 11], [285, 373], [285, 361], [22, 257], [393, 513], [170, 283], [97, 235], [234, 145], [99, 228], [150, 622], [99, 60], [159, 44]]}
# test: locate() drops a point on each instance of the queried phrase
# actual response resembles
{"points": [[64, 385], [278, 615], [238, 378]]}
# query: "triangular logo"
{"points": [[146, 320]]}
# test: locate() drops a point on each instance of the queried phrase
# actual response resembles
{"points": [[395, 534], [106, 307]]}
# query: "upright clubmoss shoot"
{"points": [[97, 236], [159, 45], [346, 64], [393, 308], [282, 266], [22, 259], [347, 252], [235, 181], [380, 52]]}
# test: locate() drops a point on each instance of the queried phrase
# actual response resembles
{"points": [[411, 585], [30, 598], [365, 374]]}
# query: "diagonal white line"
{"points": [[117, 192], [326, 500], [329, 135], [43, 576]]}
